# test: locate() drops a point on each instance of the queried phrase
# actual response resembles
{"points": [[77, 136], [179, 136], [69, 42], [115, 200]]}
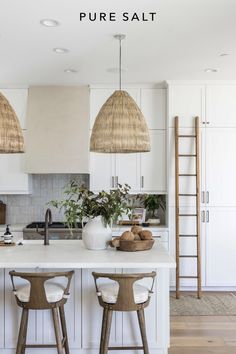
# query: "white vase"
{"points": [[96, 235]]}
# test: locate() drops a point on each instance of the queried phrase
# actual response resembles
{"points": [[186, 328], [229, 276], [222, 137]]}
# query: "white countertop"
{"points": [[73, 254]]}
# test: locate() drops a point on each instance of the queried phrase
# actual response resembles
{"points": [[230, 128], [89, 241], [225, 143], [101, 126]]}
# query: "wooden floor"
{"points": [[203, 335]]}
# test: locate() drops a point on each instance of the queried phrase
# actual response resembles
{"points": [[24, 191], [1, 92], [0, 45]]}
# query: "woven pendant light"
{"points": [[120, 126], [11, 137]]}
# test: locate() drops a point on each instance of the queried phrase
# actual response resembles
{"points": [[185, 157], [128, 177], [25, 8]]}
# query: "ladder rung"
{"points": [[188, 235], [187, 195], [187, 136], [187, 155], [187, 214], [187, 174], [187, 256], [188, 277]]}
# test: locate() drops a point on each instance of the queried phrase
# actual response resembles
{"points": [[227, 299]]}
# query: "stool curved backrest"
{"points": [[37, 298], [125, 298]]}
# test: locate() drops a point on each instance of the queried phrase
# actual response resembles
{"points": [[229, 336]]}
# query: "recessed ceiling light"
{"points": [[49, 22], [210, 70], [223, 55], [70, 71], [116, 70], [60, 50]]}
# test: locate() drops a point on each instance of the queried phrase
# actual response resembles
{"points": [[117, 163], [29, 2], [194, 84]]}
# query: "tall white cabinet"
{"points": [[142, 171], [215, 104], [13, 179]]}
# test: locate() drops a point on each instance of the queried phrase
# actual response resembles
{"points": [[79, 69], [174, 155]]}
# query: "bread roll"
{"points": [[145, 235], [127, 236], [136, 229]]}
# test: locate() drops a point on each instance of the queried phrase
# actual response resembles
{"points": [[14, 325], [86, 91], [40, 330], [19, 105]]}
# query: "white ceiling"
{"points": [[187, 38]]}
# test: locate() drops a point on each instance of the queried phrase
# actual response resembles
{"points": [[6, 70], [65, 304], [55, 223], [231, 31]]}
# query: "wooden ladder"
{"points": [[179, 215]]}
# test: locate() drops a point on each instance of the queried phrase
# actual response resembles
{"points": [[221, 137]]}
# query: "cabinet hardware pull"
{"points": [[203, 122], [208, 216], [208, 197], [142, 182], [203, 197], [207, 122], [112, 181], [203, 216], [117, 181]]}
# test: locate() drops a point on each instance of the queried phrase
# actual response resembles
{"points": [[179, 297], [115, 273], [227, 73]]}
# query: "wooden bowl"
{"points": [[133, 246]]}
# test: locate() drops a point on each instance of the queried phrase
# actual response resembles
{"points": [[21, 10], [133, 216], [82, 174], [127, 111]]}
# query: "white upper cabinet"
{"points": [[102, 174], [58, 130], [18, 100], [127, 170], [220, 167], [143, 172], [221, 105], [153, 107], [186, 102], [153, 164]]}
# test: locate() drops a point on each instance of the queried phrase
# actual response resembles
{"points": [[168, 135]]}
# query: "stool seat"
{"points": [[109, 293], [54, 292]]}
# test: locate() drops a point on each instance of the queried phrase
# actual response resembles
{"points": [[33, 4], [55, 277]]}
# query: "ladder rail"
{"points": [[196, 155], [198, 201], [177, 204]]}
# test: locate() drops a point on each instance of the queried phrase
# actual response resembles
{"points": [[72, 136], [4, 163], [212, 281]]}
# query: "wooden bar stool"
{"points": [[123, 295], [41, 294]]}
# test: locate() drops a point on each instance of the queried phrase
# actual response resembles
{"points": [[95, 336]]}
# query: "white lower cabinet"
{"points": [[92, 313], [1, 308], [221, 247]]}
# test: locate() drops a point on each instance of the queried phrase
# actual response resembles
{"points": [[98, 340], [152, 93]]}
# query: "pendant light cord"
{"points": [[120, 66]]}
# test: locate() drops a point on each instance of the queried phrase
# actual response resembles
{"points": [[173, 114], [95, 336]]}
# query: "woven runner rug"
{"points": [[211, 304]]}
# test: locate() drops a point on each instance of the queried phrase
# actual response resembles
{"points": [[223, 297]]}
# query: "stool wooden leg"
{"points": [[57, 330], [25, 331], [104, 317], [63, 327], [141, 320], [22, 332], [108, 321]]}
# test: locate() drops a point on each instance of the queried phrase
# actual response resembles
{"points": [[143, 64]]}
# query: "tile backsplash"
{"points": [[27, 208]]}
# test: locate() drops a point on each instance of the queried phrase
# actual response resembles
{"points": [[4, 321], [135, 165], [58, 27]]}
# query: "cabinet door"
{"points": [[153, 107], [220, 166], [221, 105], [1, 308], [13, 315], [102, 171], [72, 313], [188, 266], [221, 247], [127, 170], [186, 102], [18, 100], [153, 163], [98, 97], [92, 313], [13, 180]]}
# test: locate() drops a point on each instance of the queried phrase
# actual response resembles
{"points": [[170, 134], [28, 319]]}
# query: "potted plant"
{"points": [[153, 203], [99, 210]]}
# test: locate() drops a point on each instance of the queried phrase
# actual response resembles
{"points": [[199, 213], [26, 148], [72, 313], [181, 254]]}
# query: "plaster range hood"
{"points": [[57, 138]]}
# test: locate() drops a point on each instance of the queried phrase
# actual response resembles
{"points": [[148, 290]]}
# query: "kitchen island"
{"points": [[82, 310]]}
